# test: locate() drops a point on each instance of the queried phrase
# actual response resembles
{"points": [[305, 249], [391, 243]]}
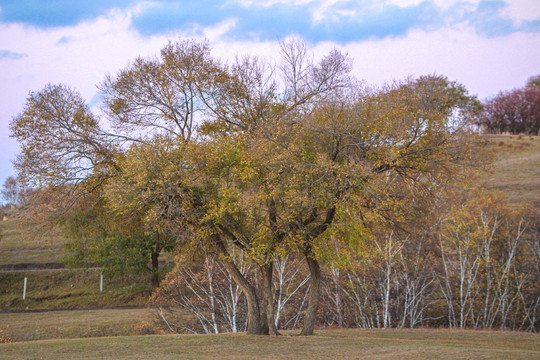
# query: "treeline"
{"points": [[291, 194], [476, 264], [515, 112]]}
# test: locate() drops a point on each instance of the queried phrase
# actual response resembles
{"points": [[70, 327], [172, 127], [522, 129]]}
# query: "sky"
{"points": [[486, 45]]}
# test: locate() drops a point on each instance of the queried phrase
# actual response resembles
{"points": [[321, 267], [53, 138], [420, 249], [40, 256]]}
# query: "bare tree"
{"points": [[207, 292], [11, 192]]}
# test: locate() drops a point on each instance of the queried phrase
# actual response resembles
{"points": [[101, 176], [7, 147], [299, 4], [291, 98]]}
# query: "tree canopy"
{"points": [[218, 158]]}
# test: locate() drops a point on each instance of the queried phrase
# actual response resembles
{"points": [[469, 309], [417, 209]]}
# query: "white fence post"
{"points": [[24, 289], [101, 282]]}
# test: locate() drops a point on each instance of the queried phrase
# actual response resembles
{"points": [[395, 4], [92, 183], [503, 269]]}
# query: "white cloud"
{"points": [[324, 10], [214, 33], [321, 10], [522, 10], [268, 3], [404, 3], [484, 65], [517, 10], [443, 4], [79, 56]]}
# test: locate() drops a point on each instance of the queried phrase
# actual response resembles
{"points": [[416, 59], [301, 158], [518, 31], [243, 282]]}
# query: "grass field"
{"points": [[73, 324], [327, 344]]}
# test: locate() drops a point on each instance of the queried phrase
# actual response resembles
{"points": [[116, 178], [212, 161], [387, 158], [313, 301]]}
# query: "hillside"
{"points": [[20, 243], [516, 168], [24, 253]]}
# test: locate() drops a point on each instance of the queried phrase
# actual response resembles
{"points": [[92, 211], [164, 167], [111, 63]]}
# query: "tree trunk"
{"points": [[267, 271], [155, 261], [155, 269], [314, 293], [254, 326]]}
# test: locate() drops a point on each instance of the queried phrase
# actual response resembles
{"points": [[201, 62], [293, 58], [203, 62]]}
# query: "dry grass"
{"points": [[327, 344], [73, 324], [516, 169]]}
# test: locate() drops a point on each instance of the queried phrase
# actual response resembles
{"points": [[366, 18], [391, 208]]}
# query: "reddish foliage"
{"points": [[516, 112]]}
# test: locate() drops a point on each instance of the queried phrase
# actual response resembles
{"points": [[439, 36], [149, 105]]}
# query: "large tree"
{"points": [[281, 158], [241, 103], [365, 153], [280, 182]]}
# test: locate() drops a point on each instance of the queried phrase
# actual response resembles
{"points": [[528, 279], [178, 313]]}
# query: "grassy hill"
{"points": [[20, 243], [70, 289], [516, 168], [38, 257]]}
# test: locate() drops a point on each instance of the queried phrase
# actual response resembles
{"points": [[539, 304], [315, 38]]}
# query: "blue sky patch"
{"points": [[10, 55], [279, 20], [342, 22], [55, 13], [95, 100]]}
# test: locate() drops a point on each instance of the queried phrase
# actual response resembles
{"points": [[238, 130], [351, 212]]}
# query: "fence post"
{"points": [[24, 289], [101, 282]]}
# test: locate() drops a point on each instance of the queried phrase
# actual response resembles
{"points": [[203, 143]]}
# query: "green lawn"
{"points": [[327, 344]]}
